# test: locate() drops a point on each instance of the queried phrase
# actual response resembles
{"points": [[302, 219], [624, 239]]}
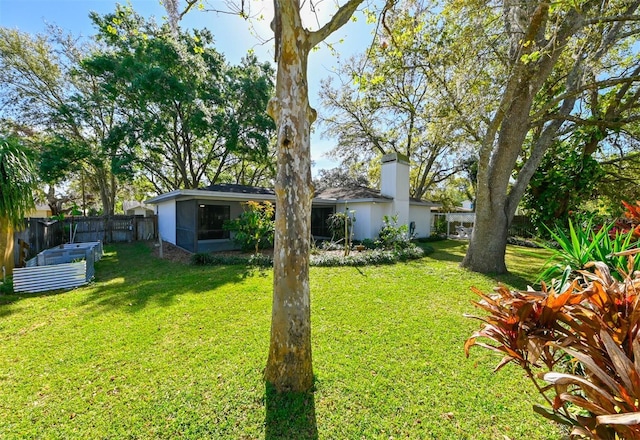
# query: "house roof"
{"points": [[229, 191], [239, 189], [350, 194]]}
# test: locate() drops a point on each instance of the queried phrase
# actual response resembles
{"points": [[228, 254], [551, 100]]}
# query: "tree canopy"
{"points": [[192, 117], [137, 101], [389, 100]]}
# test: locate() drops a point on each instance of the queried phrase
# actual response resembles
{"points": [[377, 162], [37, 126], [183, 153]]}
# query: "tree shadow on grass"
{"points": [[454, 251], [290, 415], [7, 300], [129, 277], [449, 250]]}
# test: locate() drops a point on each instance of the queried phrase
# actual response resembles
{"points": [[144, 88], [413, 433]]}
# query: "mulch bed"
{"points": [[179, 255]]}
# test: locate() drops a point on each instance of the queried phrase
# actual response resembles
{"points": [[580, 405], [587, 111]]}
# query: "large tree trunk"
{"points": [[488, 242], [486, 253], [289, 366], [497, 196], [6, 247]]}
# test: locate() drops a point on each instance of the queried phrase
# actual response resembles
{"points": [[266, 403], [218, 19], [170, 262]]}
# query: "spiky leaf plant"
{"points": [[579, 345]]}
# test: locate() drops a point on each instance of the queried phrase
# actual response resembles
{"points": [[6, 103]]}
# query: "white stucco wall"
{"points": [[422, 216], [166, 212], [368, 217], [379, 210], [394, 183]]}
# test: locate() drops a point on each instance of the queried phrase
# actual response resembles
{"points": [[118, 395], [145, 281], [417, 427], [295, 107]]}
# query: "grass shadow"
{"points": [[289, 415], [524, 264], [129, 277], [449, 250], [8, 299]]}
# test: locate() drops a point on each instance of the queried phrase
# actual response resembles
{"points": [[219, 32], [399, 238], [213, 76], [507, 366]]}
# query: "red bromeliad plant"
{"points": [[582, 339], [632, 219]]}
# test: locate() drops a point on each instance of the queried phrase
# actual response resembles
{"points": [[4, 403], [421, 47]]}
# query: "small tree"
{"points": [[254, 228], [17, 180], [341, 227]]}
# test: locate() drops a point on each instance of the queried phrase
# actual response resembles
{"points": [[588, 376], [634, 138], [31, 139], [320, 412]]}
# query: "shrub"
{"points": [[392, 236], [254, 228], [375, 257], [577, 247], [369, 243], [205, 259], [260, 260], [430, 239], [580, 337], [522, 242], [331, 246], [6, 287], [413, 252]]}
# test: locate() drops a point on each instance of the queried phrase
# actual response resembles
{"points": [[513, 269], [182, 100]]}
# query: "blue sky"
{"points": [[233, 36]]}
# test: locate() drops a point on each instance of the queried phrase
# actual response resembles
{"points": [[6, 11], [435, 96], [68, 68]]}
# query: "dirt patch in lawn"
{"points": [[173, 253]]}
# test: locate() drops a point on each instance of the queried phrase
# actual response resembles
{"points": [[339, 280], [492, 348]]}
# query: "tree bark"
{"points": [[289, 367], [503, 142]]}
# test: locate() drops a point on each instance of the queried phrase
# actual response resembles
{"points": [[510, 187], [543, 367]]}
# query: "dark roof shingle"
{"points": [[239, 189]]}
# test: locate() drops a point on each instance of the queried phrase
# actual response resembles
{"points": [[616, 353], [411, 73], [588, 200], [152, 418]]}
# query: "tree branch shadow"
{"points": [[290, 415]]}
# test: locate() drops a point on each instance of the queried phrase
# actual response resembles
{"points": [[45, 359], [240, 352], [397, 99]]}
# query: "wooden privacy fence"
{"points": [[40, 234]]}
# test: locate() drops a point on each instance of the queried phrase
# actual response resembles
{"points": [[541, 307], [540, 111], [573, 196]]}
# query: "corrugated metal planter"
{"points": [[63, 267]]}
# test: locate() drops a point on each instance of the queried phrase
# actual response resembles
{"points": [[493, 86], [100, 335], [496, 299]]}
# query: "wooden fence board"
{"points": [[41, 234]]}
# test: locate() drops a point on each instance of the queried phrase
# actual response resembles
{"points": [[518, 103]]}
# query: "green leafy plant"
{"points": [[369, 243], [341, 226], [6, 287], [578, 247], [392, 236], [582, 339], [374, 257], [254, 228]]}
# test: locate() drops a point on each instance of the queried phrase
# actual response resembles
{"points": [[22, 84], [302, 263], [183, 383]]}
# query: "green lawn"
{"points": [[155, 349]]}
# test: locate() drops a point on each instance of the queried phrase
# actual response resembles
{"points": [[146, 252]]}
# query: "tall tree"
{"points": [[337, 177], [388, 101], [192, 115], [289, 365], [42, 87], [558, 56]]}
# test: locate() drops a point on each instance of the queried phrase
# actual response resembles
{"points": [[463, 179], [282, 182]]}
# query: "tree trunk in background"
{"points": [[6, 247]]}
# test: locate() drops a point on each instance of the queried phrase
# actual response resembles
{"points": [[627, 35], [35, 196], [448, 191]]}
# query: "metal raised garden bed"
{"points": [[63, 267]]}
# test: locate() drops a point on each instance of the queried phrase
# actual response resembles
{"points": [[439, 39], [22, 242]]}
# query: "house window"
{"points": [[319, 217], [210, 221]]}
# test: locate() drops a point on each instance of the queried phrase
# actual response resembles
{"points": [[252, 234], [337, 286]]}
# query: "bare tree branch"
{"points": [[338, 20]]}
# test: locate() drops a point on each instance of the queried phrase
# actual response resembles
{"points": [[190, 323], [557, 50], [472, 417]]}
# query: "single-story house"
{"points": [[132, 207], [41, 210], [192, 218]]}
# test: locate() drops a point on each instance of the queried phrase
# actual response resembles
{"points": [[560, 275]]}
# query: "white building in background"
{"points": [[192, 218]]}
